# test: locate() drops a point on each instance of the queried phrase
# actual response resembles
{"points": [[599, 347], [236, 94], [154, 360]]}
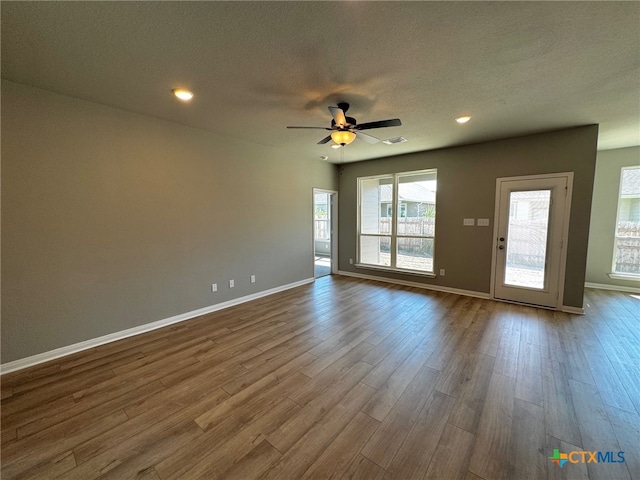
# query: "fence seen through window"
{"points": [[626, 258], [397, 215]]}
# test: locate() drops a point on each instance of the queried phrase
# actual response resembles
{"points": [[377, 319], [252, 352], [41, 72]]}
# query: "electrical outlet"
{"points": [[231, 284], [214, 287], [253, 279], [442, 272], [351, 261]]}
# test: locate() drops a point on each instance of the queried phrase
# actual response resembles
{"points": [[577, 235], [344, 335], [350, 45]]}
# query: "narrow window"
{"points": [[626, 255], [375, 230]]}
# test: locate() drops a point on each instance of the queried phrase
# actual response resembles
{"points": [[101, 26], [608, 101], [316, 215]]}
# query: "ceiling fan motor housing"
{"points": [[351, 122]]}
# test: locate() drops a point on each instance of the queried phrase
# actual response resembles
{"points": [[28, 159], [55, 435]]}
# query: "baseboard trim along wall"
{"points": [[112, 337], [572, 310], [438, 288], [130, 332], [604, 286]]}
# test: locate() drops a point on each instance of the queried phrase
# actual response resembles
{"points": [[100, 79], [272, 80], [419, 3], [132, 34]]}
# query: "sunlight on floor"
{"points": [[322, 266]]}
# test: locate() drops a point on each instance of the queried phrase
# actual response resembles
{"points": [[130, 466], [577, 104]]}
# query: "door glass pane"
{"points": [[375, 250], [527, 238], [415, 254]]}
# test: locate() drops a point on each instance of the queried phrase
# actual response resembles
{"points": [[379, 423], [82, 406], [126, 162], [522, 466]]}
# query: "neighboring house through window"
{"points": [[402, 241]]}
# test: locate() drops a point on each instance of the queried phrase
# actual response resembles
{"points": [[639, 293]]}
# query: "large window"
{"points": [[626, 257], [396, 219]]}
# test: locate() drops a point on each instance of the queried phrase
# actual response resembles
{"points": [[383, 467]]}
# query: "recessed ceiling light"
{"points": [[182, 94], [463, 119]]}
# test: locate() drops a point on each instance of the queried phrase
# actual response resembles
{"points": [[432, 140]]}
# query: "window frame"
{"points": [[614, 274], [393, 235]]}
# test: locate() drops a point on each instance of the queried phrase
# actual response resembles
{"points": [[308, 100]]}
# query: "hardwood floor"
{"points": [[343, 379]]}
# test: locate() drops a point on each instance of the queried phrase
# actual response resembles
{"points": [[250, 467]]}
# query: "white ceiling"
{"points": [[256, 67]]}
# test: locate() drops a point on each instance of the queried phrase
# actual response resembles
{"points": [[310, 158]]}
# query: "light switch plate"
{"points": [[483, 222], [469, 222]]}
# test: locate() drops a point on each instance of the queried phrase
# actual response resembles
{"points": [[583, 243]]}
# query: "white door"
{"points": [[531, 229]]}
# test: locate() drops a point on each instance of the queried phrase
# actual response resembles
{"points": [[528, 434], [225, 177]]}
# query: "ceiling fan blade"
{"points": [[338, 116], [394, 122], [316, 128], [325, 139], [366, 137]]}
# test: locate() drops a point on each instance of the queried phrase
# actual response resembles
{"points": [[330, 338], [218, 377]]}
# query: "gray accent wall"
{"points": [[603, 214], [111, 220], [466, 189]]}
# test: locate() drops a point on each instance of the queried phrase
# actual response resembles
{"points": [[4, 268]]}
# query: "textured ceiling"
{"points": [[256, 67]]}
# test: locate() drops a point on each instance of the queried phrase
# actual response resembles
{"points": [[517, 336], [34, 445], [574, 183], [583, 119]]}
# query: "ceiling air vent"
{"points": [[391, 141]]}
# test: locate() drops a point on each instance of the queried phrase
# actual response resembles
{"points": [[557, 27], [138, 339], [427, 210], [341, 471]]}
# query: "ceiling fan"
{"points": [[345, 129]]}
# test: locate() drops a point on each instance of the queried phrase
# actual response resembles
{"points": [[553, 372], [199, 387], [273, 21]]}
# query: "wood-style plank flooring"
{"points": [[343, 379]]}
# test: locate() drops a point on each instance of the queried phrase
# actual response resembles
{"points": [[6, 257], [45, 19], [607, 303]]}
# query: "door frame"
{"points": [[334, 229], [564, 234]]}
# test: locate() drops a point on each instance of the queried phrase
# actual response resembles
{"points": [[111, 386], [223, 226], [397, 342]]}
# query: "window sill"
{"points": [[625, 276], [396, 270]]}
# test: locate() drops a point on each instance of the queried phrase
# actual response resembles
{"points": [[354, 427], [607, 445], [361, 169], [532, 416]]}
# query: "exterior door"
{"points": [[530, 236]]}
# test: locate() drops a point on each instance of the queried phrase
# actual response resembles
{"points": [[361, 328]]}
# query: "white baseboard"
{"points": [[437, 288], [573, 310], [130, 332], [457, 291], [604, 286]]}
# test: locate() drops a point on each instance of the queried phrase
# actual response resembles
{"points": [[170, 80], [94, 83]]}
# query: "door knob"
{"points": [[501, 239], [501, 247]]}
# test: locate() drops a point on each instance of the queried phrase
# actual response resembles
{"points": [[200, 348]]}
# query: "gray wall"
{"points": [[111, 220], [603, 214], [466, 188]]}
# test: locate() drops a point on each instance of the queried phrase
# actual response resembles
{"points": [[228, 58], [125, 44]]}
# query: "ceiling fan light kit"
{"points": [[345, 129], [343, 137]]}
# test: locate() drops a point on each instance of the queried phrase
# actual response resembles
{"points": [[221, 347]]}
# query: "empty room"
{"points": [[303, 240]]}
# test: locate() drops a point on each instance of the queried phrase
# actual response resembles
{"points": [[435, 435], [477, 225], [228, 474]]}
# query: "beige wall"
{"points": [[111, 220], [466, 189], [603, 214]]}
